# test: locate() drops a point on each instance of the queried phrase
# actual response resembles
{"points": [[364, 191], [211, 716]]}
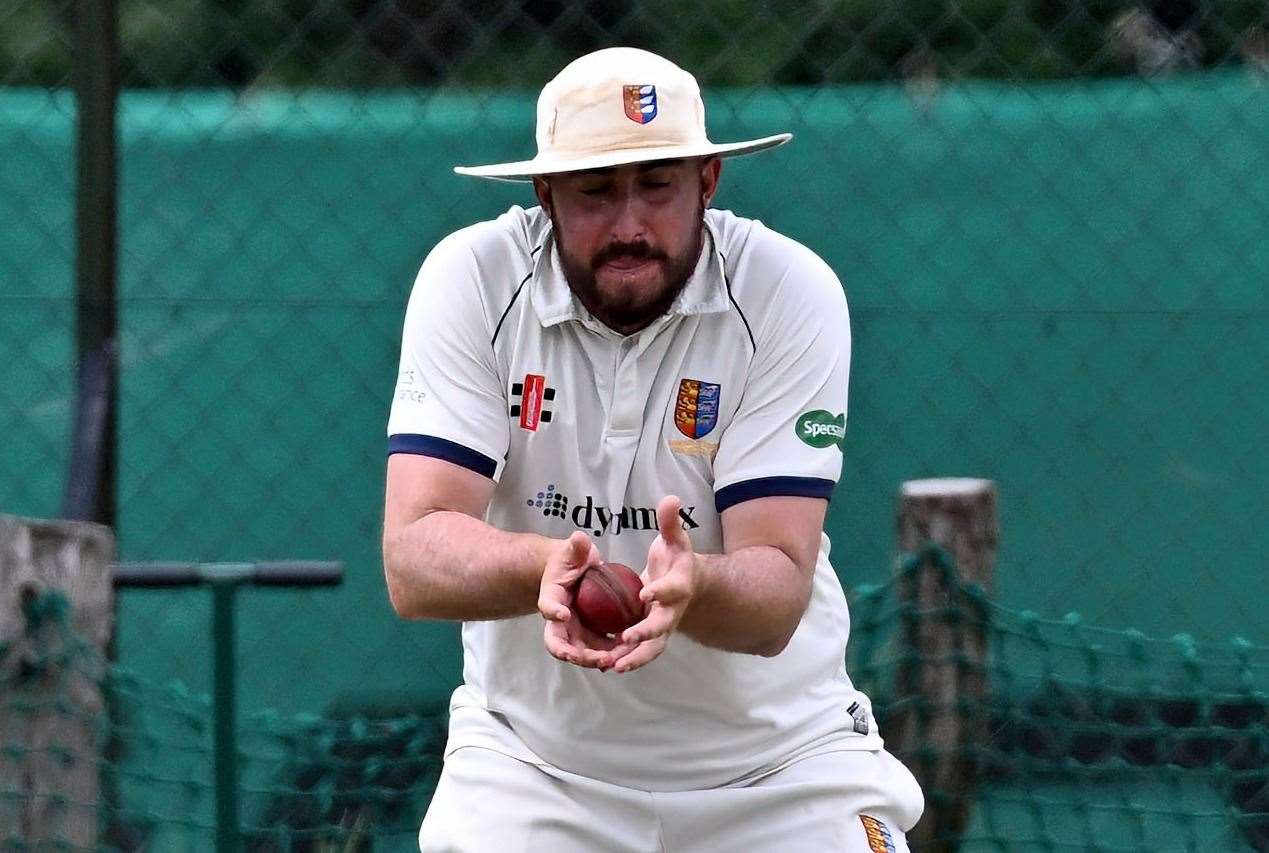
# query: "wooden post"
{"points": [[941, 680], [52, 663]]}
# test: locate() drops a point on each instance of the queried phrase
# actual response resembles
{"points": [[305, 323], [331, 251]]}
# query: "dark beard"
{"points": [[628, 318]]}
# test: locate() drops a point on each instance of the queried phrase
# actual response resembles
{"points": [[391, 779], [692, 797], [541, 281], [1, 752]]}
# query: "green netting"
{"points": [[1022, 309], [1079, 738], [1082, 737], [343, 781], [1056, 283]]}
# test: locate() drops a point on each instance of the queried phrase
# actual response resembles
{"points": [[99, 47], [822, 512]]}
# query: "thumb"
{"points": [[669, 523], [578, 549]]}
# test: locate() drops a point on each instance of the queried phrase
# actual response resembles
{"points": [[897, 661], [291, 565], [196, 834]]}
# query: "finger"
{"points": [[582, 651], [659, 621], [642, 655], [592, 658], [670, 524], [553, 603], [616, 653], [669, 589], [557, 644], [565, 648]]}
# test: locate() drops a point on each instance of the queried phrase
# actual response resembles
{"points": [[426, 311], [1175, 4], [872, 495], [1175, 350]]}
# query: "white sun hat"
{"points": [[616, 106]]}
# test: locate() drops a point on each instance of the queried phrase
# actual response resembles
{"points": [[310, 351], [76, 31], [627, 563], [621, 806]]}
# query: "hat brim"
{"points": [[525, 170]]}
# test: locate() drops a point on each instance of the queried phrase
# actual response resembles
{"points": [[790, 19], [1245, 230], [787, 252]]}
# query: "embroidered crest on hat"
{"points": [[640, 102]]}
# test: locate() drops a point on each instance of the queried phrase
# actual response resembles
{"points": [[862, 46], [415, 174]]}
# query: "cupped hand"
{"points": [[669, 584], [565, 637]]}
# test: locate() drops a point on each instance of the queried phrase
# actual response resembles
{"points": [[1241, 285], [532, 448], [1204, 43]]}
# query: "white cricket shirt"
{"points": [[738, 392]]}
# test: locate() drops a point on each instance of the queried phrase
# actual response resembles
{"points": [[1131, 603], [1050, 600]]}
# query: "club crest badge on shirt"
{"points": [[878, 834], [640, 103], [696, 409]]}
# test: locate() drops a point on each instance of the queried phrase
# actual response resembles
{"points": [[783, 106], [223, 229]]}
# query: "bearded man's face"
{"points": [[629, 237]]}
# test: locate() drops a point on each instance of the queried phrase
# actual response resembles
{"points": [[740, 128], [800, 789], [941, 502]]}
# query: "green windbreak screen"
{"points": [[1059, 286]]}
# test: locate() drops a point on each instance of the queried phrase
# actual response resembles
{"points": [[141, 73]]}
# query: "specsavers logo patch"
{"points": [[821, 429]]}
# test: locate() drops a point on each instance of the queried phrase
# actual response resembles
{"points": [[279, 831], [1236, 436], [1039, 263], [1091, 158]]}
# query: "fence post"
{"points": [[225, 714], [90, 486], [55, 621], [941, 678]]}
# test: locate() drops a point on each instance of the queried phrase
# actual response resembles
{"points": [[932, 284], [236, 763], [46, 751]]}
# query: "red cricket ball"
{"points": [[606, 599]]}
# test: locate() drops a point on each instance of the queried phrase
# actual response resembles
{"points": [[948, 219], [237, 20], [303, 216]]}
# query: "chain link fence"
{"points": [[1049, 216], [1066, 735], [37, 177]]}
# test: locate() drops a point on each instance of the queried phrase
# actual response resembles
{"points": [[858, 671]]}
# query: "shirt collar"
{"points": [[555, 303]]}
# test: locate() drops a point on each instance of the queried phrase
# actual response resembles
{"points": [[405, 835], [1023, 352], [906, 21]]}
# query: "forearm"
{"points": [[449, 565], [749, 601]]}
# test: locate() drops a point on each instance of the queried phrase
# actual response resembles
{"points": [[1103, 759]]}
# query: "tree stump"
{"points": [[941, 679], [55, 621]]}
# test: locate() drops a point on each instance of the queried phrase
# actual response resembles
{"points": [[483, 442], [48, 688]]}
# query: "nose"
{"points": [[628, 222]]}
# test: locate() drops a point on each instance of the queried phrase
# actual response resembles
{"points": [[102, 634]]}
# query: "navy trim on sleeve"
{"points": [[444, 449], [765, 487]]}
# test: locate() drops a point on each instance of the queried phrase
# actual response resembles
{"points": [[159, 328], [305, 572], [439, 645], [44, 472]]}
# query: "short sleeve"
{"points": [[449, 402], [788, 432]]}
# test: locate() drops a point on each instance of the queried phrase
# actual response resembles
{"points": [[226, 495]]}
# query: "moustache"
{"points": [[639, 251]]}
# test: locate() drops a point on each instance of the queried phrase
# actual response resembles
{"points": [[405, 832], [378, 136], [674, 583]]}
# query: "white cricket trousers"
{"points": [[487, 802]]}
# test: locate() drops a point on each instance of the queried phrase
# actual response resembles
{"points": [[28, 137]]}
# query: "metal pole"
{"points": [[169, 573], [91, 480], [225, 726], [224, 579]]}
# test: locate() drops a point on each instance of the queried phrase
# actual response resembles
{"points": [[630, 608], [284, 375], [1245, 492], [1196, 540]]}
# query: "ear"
{"points": [[711, 169], [543, 191]]}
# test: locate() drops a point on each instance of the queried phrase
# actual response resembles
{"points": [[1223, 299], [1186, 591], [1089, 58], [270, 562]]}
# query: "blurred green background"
{"points": [[370, 43], [1060, 287], [1050, 220]]}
